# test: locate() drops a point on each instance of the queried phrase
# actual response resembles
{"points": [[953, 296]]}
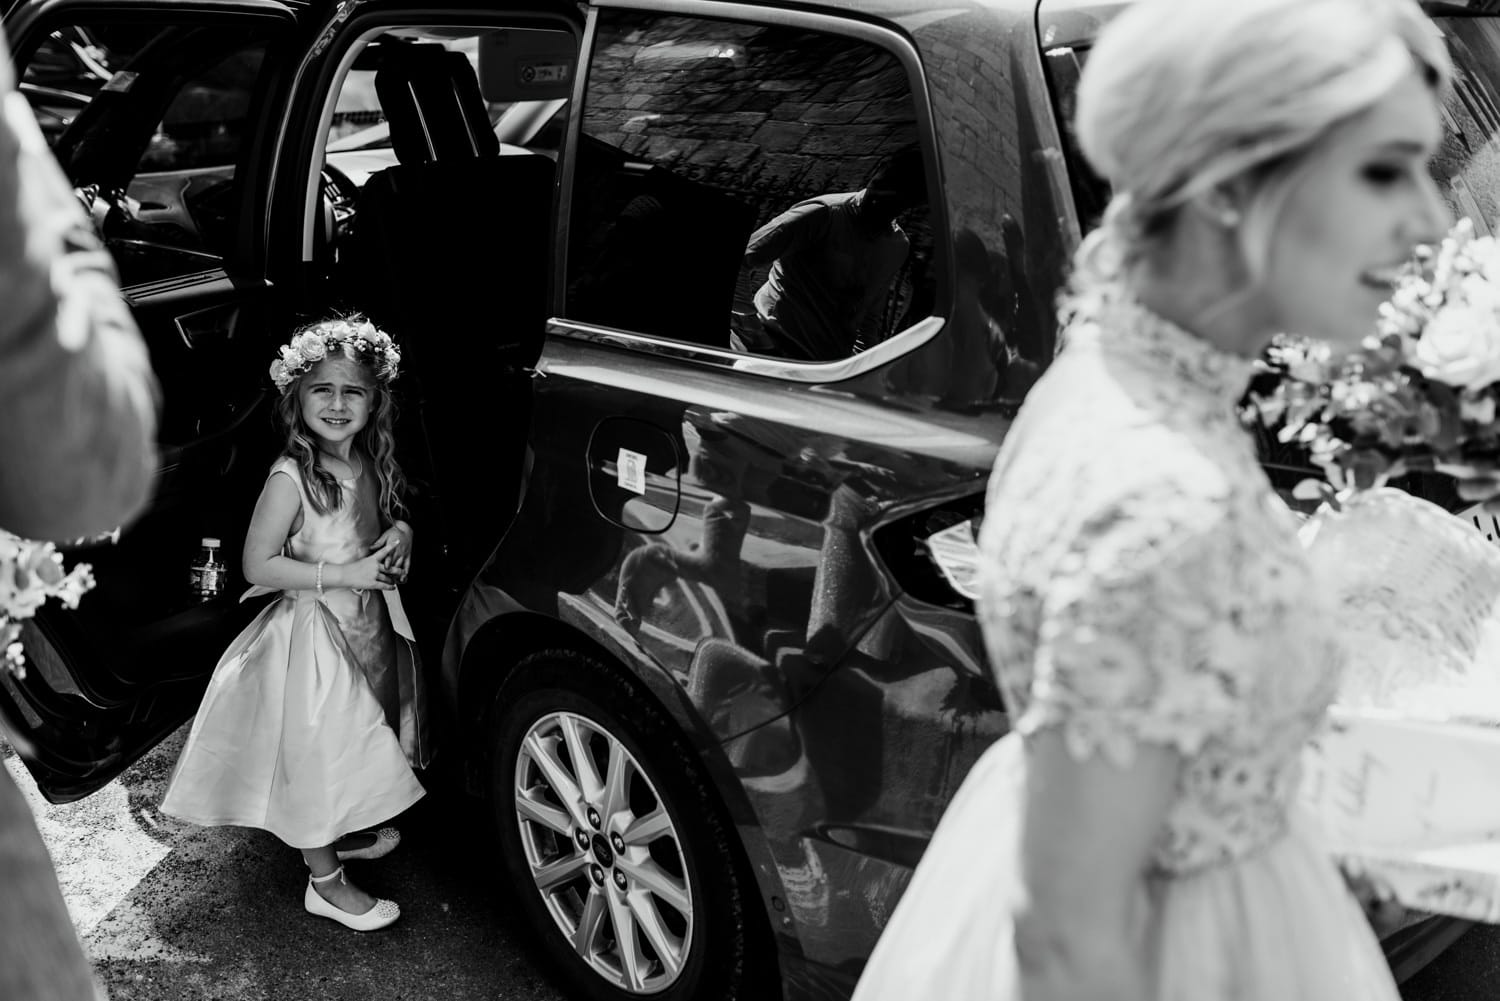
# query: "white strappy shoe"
{"points": [[386, 840], [382, 914]]}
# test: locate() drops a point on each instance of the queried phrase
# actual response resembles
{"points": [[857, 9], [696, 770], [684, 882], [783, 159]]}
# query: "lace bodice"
{"points": [[1143, 583]]}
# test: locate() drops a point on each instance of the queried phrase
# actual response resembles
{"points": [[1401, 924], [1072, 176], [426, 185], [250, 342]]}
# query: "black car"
{"points": [[679, 598]]}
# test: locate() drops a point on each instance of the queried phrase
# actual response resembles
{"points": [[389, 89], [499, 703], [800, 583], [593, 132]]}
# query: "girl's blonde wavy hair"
{"points": [[375, 442], [1179, 97]]}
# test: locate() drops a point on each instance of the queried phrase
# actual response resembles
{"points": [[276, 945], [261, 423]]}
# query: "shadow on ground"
{"points": [[171, 911]]}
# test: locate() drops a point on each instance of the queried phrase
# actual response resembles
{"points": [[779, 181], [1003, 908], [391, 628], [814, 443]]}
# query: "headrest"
{"points": [[432, 102]]}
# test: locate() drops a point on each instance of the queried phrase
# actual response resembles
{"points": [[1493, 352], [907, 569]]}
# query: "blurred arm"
{"points": [[1086, 843], [77, 408]]}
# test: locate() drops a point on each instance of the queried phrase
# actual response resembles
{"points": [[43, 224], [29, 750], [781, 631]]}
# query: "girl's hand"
{"points": [[366, 574], [394, 549]]}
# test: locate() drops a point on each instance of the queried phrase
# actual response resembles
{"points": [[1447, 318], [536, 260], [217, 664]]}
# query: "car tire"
{"points": [[651, 851]]}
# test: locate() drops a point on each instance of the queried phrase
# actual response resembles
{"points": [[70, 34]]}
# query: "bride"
{"points": [[1155, 626]]}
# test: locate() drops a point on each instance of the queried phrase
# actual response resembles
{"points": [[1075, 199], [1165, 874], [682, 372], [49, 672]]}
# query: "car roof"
{"points": [[299, 7], [893, 11]]}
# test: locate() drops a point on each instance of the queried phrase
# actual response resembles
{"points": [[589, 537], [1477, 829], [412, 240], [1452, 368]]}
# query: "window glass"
{"points": [[150, 122], [441, 89], [1468, 163], [359, 121], [748, 187]]}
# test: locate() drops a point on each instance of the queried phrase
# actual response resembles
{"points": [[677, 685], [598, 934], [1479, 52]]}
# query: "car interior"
{"points": [[446, 249]]}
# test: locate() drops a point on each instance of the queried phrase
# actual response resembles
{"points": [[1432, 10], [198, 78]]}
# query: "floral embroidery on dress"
{"points": [[1144, 584]]}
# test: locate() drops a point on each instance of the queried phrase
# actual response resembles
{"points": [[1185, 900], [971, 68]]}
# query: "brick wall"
{"points": [[764, 115], [771, 115]]}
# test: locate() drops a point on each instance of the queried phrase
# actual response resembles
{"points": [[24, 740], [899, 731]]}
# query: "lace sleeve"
{"points": [[1147, 640]]}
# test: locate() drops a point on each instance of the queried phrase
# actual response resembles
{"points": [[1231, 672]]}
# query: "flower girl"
{"points": [[315, 715]]}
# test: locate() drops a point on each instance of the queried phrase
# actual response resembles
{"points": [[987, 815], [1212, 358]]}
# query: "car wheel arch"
{"points": [[515, 637]]}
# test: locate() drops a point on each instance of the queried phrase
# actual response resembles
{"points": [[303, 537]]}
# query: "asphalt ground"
{"points": [[1468, 971], [170, 911]]}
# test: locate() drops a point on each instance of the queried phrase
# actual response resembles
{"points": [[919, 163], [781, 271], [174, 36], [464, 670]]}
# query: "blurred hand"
{"points": [[1384, 912]]}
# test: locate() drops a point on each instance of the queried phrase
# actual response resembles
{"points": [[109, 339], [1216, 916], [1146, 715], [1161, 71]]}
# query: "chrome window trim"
{"points": [[881, 354], [214, 279], [886, 351]]}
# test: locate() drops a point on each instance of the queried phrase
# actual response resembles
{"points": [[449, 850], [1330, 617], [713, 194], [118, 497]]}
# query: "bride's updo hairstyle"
{"points": [[1180, 97]]}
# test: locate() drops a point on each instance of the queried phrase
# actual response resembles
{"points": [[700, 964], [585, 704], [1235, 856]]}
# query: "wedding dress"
{"points": [[1142, 584]]}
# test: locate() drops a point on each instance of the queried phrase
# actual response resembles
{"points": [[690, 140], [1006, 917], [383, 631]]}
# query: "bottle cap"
{"points": [[211, 543]]}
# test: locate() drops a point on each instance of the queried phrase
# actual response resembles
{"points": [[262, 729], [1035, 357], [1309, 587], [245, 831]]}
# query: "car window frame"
{"points": [[908, 339], [347, 42], [28, 29]]}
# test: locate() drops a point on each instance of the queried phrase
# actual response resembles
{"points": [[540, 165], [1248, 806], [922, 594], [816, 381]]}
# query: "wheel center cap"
{"points": [[603, 852]]}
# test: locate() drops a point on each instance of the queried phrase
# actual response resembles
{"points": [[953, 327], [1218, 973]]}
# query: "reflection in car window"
{"points": [[1467, 166], [205, 123], [749, 187], [150, 122]]}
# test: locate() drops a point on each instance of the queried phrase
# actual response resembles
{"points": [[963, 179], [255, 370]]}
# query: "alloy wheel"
{"points": [[604, 853]]}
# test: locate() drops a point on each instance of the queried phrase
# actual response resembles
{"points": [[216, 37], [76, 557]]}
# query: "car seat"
{"points": [[450, 252]]}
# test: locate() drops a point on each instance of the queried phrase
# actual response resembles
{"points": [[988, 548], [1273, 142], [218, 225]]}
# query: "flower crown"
{"points": [[358, 340]]}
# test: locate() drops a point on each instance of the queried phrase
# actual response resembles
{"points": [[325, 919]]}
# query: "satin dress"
{"points": [[315, 716]]}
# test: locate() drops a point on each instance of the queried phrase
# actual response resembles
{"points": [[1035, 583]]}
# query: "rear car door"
{"points": [[157, 113]]}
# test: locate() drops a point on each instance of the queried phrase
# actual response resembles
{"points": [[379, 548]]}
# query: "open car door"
{"points": [[159, 114]]}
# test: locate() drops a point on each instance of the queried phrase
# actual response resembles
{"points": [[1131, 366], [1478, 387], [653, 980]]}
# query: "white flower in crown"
{"points": [[361, 341], [313, 349]]}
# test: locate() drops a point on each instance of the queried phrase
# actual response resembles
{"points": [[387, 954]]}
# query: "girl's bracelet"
{"points": [[319, 582]]}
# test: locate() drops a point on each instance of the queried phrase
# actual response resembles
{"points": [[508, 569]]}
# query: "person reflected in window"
{"points": [[832, 261]]}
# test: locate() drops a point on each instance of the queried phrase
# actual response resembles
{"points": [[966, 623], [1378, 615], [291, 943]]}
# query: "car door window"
{"points": [[723, 188], [150, 121], [360, 144], [1467, 165]]}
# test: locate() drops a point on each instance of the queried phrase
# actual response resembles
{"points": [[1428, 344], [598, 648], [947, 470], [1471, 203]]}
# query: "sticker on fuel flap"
{"points": [[630, 471]]}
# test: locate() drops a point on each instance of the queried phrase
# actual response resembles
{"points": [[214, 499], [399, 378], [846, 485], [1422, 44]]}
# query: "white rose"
{"points": [[313, 349], [1480, 294], [1460, 347]]}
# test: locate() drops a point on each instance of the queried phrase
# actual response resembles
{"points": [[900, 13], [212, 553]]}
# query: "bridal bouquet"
{"points": [[30, 573], [1421, 394], [1413, 592]]}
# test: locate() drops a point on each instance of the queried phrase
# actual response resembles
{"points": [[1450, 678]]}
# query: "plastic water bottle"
{"points": [[206, 572]]}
